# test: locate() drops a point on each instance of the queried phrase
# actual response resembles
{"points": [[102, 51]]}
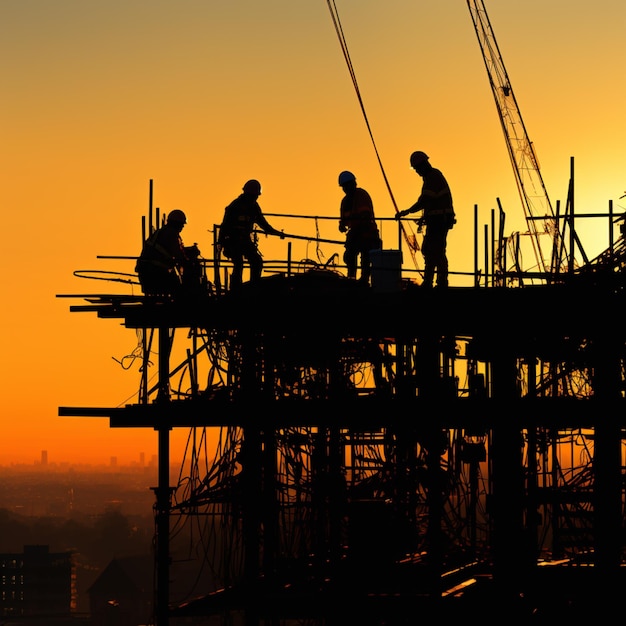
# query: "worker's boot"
{"points": [[429, 275]]}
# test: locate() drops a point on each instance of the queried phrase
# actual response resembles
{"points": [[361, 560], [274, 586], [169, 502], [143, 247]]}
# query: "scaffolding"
{"points": [[411, 452]]}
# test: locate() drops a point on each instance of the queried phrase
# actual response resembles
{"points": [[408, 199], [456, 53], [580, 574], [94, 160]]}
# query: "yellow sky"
{"points": [[99, 98]]}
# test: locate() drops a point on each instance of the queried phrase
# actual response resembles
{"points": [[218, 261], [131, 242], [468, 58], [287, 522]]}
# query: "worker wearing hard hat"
{"points": [[435, 202], [235, 238], [161, 264], [356, 217]]}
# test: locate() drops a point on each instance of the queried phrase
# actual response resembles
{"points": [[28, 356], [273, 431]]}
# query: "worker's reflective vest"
{"points": [[154, 254], [357, 211], [436, 198], [240, 216]]}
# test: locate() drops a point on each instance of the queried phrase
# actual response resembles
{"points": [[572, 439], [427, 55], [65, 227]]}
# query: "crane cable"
{"points": [[410, 239]]}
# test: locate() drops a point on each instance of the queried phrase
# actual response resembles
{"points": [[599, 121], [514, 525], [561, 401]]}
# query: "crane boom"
{"points": [[540, 217]]}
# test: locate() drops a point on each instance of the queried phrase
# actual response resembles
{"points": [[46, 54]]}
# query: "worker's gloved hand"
{"points": [[342, 228]]}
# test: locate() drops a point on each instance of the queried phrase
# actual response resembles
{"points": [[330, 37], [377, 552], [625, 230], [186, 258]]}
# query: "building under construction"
{"points": [[384, 453]]}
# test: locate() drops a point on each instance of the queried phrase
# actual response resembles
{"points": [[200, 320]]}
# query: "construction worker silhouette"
{"points": [[235, 238], [356, 217], [438, 216], [161, 264]]}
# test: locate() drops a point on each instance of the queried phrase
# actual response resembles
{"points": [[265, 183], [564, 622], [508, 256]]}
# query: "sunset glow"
{"points": [[101, 98]]}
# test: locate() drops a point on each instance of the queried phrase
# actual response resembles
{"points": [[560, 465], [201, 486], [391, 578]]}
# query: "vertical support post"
{"points": [[476, 279], [163, 505], [252, 485], [150, 209], [252, 478], [217, 279], [145, 347], [572, 231], [432, 439], [510, 556], [611, 235], [486, 254], [532, 512], [289, 246], [163, 491], [607, 466], [493, 248], [501, 244], [163, 394]]}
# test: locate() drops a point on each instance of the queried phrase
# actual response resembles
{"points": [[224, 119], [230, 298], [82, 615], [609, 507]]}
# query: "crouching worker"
{"points": [[163, 259]]}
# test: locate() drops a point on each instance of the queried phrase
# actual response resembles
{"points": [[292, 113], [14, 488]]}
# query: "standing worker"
{"points": [[161, 264], [435, 202], [235, 235], [356, 216]]}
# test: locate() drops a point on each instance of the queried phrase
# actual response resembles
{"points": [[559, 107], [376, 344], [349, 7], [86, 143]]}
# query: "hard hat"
{"points": [[176, 216], [418, 157], [346, 177], [252, 186]]}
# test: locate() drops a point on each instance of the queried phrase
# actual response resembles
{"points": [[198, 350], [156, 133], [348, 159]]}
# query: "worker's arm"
{"points": [[270, 230], [412, 209]]}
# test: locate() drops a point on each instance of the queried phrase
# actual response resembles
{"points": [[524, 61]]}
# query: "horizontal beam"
{"points": [[367, 413]]}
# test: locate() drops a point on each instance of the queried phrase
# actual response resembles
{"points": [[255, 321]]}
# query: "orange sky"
{"points": [[99, 98]]}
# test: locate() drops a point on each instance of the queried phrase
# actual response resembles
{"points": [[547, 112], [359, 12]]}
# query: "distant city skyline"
{"points": [[46, 461]]}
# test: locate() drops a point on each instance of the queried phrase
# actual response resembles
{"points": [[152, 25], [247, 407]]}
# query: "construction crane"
{"points": [[543, 226]]}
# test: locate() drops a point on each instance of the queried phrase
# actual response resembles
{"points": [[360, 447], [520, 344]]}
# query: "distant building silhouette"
{"points": [[37, 583], [122, 594]]}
